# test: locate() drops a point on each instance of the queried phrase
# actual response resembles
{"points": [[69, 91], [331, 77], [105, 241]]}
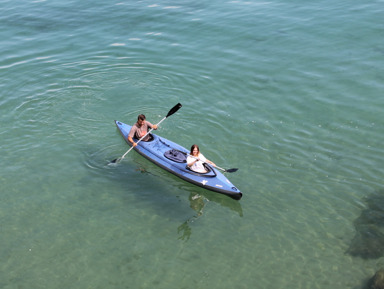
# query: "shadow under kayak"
{"points": [[172, 157]]}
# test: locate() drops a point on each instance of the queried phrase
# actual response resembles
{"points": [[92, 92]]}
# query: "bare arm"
{"points": [[131, 141], [212, 163], [192, 162], [197, 159], [150, 125]]}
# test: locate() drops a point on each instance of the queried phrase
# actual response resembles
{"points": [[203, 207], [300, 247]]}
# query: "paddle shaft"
{"points": [[172, 111], [209, 164], [142, 138]]}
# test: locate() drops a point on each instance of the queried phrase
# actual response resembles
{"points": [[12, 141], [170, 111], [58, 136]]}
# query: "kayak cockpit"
{"points": [[176, 156], [209, 173], [150, 138], [181, 157]]}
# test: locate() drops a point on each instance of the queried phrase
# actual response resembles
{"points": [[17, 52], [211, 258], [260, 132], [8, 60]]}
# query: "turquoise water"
{"points": [[288, 92]]}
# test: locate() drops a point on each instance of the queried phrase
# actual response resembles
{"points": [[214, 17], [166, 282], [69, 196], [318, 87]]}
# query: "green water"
{"points": [[289, 93]]}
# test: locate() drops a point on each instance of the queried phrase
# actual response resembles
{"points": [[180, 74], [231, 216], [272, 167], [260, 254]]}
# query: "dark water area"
{"points": [[368, 242]]}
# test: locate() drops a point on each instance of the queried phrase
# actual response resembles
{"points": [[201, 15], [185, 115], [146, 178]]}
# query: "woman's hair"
{"points": [[193, 147]]}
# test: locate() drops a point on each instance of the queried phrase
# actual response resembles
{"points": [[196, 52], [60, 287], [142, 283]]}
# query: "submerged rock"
{"points": [[368, 242], [377, 281]]}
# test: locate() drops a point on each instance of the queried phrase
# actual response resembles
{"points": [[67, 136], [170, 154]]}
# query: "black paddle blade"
{"points": [[174, 109], [231, 170], [115, 161]]}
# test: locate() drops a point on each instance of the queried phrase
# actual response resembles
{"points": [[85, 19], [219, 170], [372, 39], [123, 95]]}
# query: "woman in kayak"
{"points": [[196, 160], [140, 129]]}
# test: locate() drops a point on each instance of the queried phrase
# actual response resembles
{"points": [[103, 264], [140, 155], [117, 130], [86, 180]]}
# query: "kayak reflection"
{"points": [[197, 202]]}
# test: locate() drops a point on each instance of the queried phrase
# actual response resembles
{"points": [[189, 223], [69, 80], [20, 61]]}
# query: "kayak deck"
{"points": [[172, 157]]}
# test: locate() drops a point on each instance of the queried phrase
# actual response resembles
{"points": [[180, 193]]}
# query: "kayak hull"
{"points": [[160, 151]]}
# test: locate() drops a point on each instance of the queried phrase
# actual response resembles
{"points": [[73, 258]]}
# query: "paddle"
{"points": [[172, 111], [228, 170], [224, 170]]}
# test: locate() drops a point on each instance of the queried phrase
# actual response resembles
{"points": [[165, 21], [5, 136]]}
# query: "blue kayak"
{"points": [[173, 158]]}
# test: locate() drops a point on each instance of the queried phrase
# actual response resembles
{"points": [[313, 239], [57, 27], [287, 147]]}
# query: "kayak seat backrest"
{"points": [[176, 156]]}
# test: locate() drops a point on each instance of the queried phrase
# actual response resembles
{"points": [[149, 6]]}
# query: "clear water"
{"points": [[291, 93]]}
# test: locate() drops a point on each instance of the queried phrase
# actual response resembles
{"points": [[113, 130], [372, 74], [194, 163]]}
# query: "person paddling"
{"points": [[139, 129], [196, 160]]}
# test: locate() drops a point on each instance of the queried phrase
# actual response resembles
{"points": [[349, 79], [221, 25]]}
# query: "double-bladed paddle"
{"points": [[224, 170], [172, 111]]}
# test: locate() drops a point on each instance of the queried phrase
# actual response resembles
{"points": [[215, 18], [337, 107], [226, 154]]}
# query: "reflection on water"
{"points": [[197, 203], [185, 230]]}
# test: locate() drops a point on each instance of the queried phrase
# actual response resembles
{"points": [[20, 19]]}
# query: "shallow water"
{"points": [[289, 93]]}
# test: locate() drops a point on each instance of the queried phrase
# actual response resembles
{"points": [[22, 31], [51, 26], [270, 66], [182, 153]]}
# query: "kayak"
{"points": [[173, 158]]}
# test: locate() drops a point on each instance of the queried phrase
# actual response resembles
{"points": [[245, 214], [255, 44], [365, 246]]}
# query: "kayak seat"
{"points": [[151, 138], [176, 156]]}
